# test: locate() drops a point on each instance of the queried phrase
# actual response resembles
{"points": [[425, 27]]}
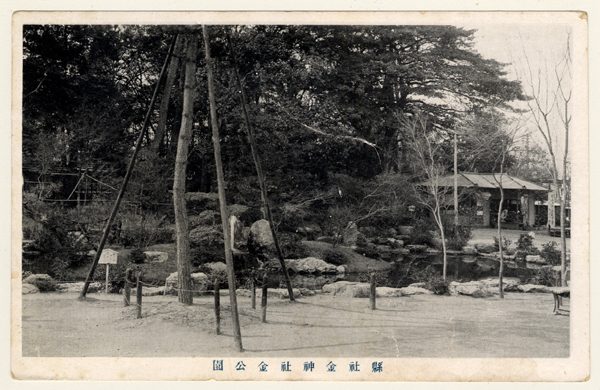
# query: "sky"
{"points": [[542, 45]]}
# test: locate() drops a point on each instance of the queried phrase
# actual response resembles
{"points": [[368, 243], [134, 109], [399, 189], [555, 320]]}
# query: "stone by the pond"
{"points": [[535, 259], [29, 289], [156, 257], [32, 279], [310, 265], [508, 283], [216, 267], [419, 284], [200, 283], [533, 288], [485, 248], [341, 269], [475, 289], [388, 292], [77, 287], [385, 252], [309, 229], [348, 289], [469, 250], [414, 290], [275, 293]]}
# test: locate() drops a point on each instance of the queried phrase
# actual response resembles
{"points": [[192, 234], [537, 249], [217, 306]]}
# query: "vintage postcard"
{"points": [[300, 196]]}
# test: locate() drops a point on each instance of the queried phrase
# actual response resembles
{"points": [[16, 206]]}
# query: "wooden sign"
{"points": [[108, 257]]}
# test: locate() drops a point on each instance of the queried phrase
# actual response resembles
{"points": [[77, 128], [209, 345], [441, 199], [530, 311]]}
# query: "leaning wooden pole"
{"points": [[138, 145], [259, 172], [237, 335]]}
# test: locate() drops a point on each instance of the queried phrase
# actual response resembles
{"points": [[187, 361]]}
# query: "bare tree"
{"points": [[550, 94], [427, 159]]}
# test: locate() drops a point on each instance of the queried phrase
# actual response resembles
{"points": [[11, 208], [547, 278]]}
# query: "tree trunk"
{"points": [[181, 218], [164, 102], [237, 335]]}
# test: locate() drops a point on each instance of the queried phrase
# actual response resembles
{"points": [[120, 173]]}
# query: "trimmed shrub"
{"points": [[335, 257], [136, 256], [421, 233], [458, 236]]}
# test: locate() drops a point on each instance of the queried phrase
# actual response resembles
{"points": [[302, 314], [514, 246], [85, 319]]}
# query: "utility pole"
{"points": [[455, 180]]}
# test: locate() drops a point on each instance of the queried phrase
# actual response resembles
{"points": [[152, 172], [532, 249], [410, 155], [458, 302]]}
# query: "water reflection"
{"points": [[462, 268]]}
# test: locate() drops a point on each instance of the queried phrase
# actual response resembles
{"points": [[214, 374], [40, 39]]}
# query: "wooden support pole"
{"points": [[130, 167], [263, 299], [107, 270], [259, 173], [138, 287], [372, 291], [237, 335], [126, 294], [217, 293]]}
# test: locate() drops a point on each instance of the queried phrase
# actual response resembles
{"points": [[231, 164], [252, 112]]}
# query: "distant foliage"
{"points": [[421, 233]]}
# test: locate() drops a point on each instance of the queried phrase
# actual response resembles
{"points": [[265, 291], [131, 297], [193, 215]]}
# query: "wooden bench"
{"points": [[559, 293]]}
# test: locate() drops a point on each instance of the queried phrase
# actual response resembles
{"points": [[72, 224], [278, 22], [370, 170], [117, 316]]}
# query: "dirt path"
{"points": [[522, 325]]}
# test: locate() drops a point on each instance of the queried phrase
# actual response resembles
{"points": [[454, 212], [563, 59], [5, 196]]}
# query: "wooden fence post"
{"points": [[126, 294], [373, 291], [217, 293], [139, 296], [253, 291], [263, 300]]}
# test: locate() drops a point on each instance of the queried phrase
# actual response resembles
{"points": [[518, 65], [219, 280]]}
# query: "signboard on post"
{"points": [[108, 257]]}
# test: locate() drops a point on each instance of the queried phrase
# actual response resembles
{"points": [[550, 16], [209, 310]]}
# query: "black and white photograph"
{"points": [[300, 196]]}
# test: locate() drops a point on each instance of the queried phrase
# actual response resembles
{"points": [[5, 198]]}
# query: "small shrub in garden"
{"points": [[545, 277], [335, 257], [525, 247], [551, 253], [505, 243], [432, 279], [136, 256], [458, 236]]}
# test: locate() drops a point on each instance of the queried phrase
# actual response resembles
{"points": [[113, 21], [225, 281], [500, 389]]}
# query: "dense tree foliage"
{"points": [[324, 101]]}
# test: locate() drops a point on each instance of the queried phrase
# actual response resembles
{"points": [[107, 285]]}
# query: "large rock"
{"points": [[415, 291], [348, 289], [156, 257], [29, 289], [406, 230], [537, 259], [200, 283], [216, 267], [33, 279], [469, 250], [276, 293], [310, 265], [261, 236], [416, 248], [350, 234], [485, 248], [475, 289], [508, 284], [388, 292], [533, 288]]}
